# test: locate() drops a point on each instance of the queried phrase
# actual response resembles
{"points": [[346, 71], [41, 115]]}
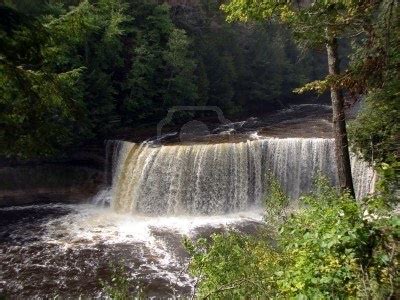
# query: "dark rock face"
{"points": [[72, 180], [48, 183]]}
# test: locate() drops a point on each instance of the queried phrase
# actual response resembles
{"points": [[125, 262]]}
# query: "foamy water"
{"points": [[74, 245], [93, 224]]}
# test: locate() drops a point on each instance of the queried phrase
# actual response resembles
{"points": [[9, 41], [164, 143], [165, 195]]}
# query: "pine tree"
{"points": [[314, 24]]}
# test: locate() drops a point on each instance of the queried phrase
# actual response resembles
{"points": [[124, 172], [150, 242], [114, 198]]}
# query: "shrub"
{"points": [[232, 265], [333, 247], [119, 286]]}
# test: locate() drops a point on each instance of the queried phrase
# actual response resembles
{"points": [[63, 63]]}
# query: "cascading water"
{"points": [[220, 178], [192, 189]]}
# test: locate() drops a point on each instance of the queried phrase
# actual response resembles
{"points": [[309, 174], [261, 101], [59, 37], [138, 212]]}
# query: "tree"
{"points": [[37, 104], [316, 23], [181, 89], [374, 71], [162, 71], [89, 36], [339, 119], [84, 69]]}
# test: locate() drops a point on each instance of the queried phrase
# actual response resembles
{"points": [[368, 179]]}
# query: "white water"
{"points": [[220, 178], [69, 246]]}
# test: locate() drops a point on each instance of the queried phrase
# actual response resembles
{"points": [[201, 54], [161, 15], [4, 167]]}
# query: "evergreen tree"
{"points": [[37, 103], [98, 65], [315, 23]]}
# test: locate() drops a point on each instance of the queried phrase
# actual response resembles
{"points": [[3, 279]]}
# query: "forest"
{"points": [[237, 214], [94, 67]]}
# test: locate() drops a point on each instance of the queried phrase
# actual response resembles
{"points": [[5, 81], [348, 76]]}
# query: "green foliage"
{"points": [[89, 35], [276, 65], [309, 21], [36, 107], [233, 266], [314, 24], [375, 132], [332, 248], [95, 66], [66, 73], [389, 179], [372, 27], [374, 70], [337, 249], [276, 202], [162, 73], [119, 287], [181, 88], [52, 85]]}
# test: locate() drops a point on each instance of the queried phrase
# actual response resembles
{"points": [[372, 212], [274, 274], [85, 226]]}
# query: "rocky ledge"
{"points": [[72, 180]]}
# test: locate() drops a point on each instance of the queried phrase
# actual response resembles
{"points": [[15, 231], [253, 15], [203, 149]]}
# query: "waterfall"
{"points": [[113, 148], [220, 178]]}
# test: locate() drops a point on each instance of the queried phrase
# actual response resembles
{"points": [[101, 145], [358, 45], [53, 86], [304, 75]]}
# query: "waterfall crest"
{"points": [[220, 178]]}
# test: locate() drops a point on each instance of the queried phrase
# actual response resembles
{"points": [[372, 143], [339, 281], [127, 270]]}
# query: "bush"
{"points": [[276, 202], [333, 247], [119, 287], [232, 265]]}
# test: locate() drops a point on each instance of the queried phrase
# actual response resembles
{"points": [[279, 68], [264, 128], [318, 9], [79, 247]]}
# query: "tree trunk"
{"points": [[339, 121]]}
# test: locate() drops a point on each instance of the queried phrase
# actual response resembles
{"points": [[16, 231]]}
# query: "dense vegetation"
{"points": [[333, 248], [73, 71]]}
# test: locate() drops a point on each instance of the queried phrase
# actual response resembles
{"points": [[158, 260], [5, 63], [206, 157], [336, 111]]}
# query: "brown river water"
{"points": [[67, 250]]}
